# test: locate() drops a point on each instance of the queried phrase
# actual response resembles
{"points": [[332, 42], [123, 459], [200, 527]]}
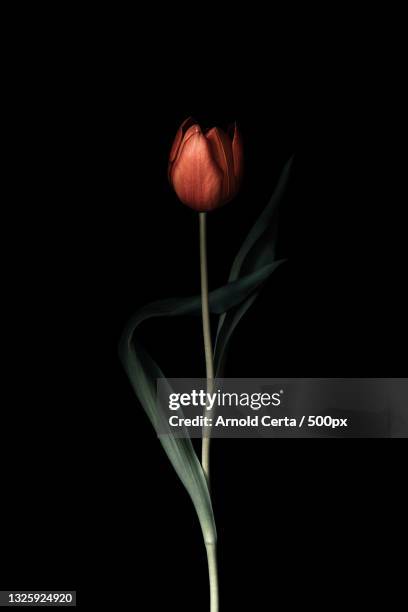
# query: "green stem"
{"points": [[213, 575], [209, 366]]}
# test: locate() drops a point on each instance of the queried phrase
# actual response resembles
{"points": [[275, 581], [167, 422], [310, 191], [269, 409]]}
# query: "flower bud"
{"points": [[205, 167]]}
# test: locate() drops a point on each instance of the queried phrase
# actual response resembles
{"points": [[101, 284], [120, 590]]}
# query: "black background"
{"points": [[89, 500]]}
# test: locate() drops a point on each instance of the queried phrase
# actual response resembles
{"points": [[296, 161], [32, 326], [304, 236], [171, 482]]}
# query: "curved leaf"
{"points": [[261, 240], [143, 372], [232, 318], [257, 250]]}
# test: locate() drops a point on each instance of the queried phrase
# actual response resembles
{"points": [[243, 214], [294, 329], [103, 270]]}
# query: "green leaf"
{"points": [[260, 243], [232, 318], [143, 372], [258, 251]]}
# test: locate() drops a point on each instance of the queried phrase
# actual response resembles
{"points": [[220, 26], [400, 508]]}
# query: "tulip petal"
{"points": [[195, 175], [179, 137], [194, 129], [238, 154], [222, 152], [187, 128]]}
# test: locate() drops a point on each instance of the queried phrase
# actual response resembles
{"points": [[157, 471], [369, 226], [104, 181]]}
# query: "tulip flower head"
{"points": [[205, 166]]}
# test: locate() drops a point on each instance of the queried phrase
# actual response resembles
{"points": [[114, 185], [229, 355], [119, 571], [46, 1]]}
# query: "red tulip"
{"points": [[205, 167]]}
